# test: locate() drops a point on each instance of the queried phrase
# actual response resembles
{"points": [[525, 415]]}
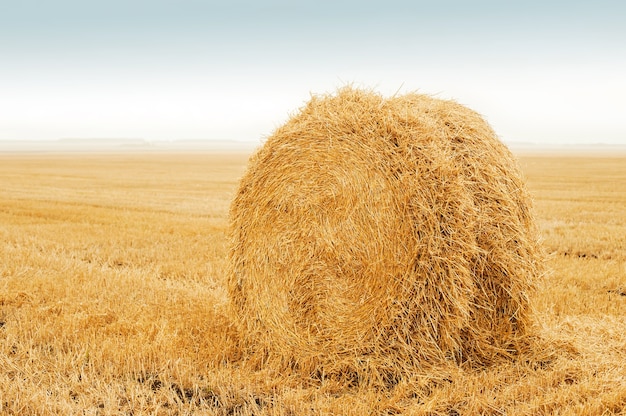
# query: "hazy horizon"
{"points": [[550, 74]]}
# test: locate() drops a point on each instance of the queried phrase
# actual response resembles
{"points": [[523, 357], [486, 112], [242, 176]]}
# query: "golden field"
{"points": [[113, 299]]}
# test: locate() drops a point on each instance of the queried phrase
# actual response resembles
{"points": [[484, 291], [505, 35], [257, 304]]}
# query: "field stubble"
{"points": [[112, 297]]}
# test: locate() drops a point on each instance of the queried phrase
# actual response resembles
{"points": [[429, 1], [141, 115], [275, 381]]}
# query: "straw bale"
{"points": [[372, 238]]}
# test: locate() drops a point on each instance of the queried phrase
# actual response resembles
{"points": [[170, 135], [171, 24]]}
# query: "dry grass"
{"points": [[378, 239], [113, 292]]}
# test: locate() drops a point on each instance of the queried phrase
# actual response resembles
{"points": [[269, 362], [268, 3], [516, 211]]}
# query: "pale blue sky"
{"points": [[539, 71]]}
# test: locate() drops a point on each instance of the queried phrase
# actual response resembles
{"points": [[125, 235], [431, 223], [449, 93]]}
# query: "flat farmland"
{"points": [[113, 298]]}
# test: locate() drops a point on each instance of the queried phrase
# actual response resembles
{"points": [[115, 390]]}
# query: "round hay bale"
{"points": [[375, 237]]}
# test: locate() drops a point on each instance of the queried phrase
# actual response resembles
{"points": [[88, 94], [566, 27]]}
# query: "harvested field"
{"points": [[113, 297]]}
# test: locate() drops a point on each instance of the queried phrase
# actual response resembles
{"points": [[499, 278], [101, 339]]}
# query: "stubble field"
{"points": [[113, 300]]}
